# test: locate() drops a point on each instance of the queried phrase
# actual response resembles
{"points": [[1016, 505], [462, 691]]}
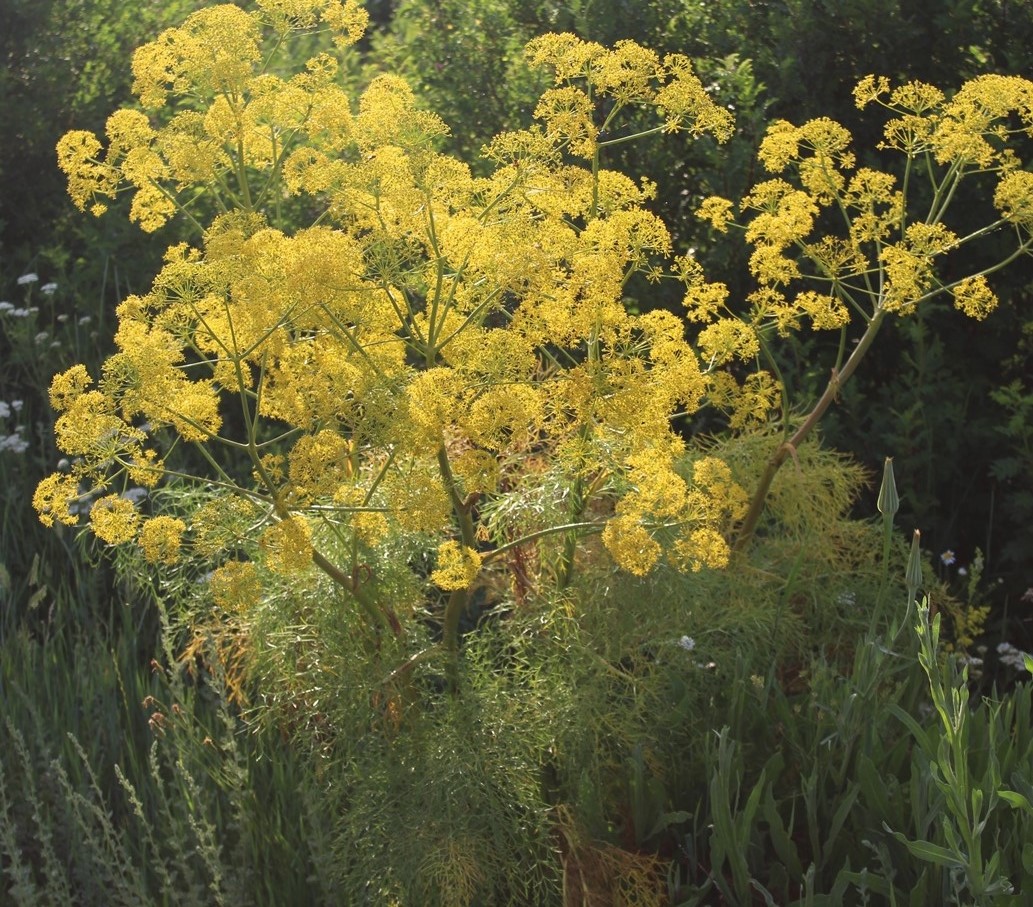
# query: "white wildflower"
{"points": [[14, 443], [1012, 656], [26, 279]]}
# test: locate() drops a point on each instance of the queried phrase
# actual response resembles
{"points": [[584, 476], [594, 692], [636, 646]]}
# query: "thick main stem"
{"points": [[788, 448], [459, 598]]}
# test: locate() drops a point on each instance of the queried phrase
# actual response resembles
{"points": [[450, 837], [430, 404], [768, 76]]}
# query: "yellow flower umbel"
{"points": [[160, 539], [53, 499], [457, 566], [287, 545], [691, 519], [114, 519], [236, 586]]}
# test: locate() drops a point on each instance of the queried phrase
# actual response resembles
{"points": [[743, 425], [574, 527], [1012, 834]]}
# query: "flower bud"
{"points": [[913, 573], [889, 500]]}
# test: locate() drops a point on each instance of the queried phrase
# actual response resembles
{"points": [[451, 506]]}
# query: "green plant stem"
{"points": [[565, 574], [459, 598], [887, 538], [788, 448], [584, 528]]}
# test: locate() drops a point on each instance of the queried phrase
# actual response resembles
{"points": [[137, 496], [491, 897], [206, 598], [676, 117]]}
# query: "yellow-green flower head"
{"points": [[1014, 198], [287, 545], [319, 464], [236, 586], [979, 116], [78, 156], [114, 519], [627, 72], [66, 387], [566, 113], [749, 403], [346, 19], [54, 497], [457, 566], [417, 500], [974, 297], [160, 539], [870, 89], [785, 214], [702, 548], [214, 51], [568, 55], [631, 545], [505, 416], [718, 212], [826, 311], [727, 339], [685, 104]]}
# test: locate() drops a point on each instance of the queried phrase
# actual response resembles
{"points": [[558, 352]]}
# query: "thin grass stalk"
{"points": [[56, 882], [22, 888]]}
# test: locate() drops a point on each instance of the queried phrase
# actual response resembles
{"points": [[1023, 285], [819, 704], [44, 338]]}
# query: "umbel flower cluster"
{"points": [[388, 341]]}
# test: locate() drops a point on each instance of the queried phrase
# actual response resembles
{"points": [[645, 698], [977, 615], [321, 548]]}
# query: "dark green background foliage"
{"points": [[64, 66]]}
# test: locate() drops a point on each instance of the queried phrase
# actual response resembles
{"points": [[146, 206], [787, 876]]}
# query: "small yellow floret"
{"points": [[974, 297], [631, 545]]}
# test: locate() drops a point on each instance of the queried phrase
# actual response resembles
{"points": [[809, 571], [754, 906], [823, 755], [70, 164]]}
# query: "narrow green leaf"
{"points": [[931, 853], [764, 893], [977, 803], [781, 841], [1027, 857], [866, 880], [1015, 799], [841, 814], [873, 785], [917, 731]]}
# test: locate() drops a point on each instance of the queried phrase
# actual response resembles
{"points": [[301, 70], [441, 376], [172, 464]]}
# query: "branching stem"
{"points": [[788, 448]]}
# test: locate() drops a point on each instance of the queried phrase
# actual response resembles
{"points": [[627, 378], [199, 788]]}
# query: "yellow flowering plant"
{"points": [[387, 366], [389, 342]]}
